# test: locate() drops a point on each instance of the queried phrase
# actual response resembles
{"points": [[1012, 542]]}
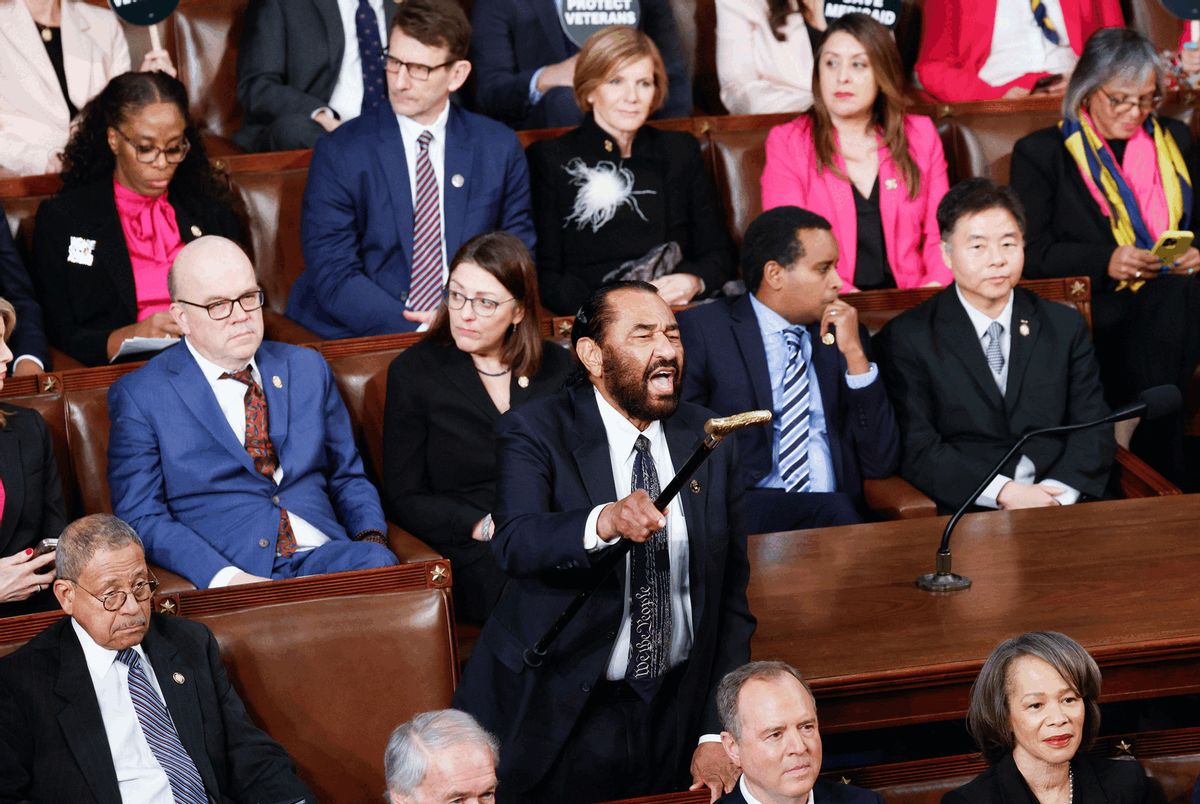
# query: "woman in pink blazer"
{"points": [[876, 173]]}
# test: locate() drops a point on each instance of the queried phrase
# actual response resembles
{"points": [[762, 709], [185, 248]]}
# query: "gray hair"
{"points": [[411, 744], [731, 687], [82, 538], [1111, 53]]}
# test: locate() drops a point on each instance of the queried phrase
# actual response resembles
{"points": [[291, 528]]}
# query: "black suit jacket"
{"points": [[288, 61], [85, 303], [29, 337], [554, 469], [676, 202], [33, 503], [726, 370], [954, 424], [52, 734], [1097, 781], [1067, 235], [823, 793], [439, 456]]}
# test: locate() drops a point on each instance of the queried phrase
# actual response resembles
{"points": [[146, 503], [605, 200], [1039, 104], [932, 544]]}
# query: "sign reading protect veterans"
{"points": [[582, 18], [886, 12], [143, 12]]}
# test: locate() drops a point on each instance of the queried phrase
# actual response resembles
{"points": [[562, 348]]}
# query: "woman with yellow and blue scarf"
{"points": [[1099, 189]]}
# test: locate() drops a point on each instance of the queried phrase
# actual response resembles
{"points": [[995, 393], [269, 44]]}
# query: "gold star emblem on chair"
{"points": [[439, 574]]}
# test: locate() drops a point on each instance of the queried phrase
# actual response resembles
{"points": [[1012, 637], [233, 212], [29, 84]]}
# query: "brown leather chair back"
{"points": [[739, 157], [273, 200], [206, 43], [965, 158], [988, 139], [87, 435], [362, 381]]}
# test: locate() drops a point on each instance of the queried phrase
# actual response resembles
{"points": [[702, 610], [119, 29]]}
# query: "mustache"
{"points": [[130, 622]]}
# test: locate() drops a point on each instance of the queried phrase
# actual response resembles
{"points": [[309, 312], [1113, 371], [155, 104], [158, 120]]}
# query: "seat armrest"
{"points": [[408, 548], [169, 582], [1135, 478], [895, 498], [278, 327]]}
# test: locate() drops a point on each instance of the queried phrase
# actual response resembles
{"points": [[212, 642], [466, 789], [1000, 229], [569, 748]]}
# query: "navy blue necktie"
{"points": [[370, 52], [649, 592]]}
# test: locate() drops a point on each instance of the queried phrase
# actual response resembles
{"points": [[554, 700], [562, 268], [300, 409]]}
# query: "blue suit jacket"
{"points": [[357, 220], [180, 476], [726, 370]]}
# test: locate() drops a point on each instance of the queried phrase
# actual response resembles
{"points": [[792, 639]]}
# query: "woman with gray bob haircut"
{"points": [[439, 756], [1101, 190], [1034, 711]]}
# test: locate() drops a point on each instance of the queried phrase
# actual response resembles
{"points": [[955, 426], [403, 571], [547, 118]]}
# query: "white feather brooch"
{"points": [[603, 190]]}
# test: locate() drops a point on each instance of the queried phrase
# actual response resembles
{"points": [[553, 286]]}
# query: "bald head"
{"points": [[206, 272], [196, 255]]}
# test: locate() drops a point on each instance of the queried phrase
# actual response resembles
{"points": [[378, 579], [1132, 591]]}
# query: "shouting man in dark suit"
{"points": [[770, 725], [623, 695], [772, 349], [984, 361], [113, 703]]}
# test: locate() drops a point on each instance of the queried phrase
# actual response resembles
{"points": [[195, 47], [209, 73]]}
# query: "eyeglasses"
{"points": [[223, 308], [419, 72], [114, 601], [148, 154], [1145, 103], [483, 307]]}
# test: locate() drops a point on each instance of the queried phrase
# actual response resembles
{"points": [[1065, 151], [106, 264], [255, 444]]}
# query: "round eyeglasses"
{"points": [[148, 154], [483, 307], [113, 601]]}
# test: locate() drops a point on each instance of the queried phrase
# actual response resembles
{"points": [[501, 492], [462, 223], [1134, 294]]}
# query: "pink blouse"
{"points": [[152, 239]]}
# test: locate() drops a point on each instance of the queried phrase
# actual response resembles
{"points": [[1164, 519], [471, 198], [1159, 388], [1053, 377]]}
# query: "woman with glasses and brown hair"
{"points": [[31, 502], [1100, 188], [137, 186], [484, 354]]}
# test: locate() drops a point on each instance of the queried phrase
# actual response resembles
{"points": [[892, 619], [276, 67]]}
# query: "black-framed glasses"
{"points": [[483, 307], [223, 308], [113, 601], [419, 72], [148, 154], [1146, 103]]}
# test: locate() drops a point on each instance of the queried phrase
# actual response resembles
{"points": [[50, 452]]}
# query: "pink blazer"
{"points": [[910, 229]]}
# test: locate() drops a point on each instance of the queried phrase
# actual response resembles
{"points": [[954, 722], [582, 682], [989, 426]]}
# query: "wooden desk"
{"points": [[840, 603]]}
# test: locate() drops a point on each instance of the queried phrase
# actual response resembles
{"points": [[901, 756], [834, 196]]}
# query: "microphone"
{"points": [[1152, 403]]}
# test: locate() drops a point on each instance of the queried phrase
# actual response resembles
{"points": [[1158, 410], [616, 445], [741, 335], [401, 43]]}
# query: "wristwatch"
{"points": [[485, 530]]}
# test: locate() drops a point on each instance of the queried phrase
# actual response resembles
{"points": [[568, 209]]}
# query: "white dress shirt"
{"points": [[347, 95], [231, 399], [139, 776], [1025, 472], [622, 436], [750, 799], [410, 131], [1019, 47]]}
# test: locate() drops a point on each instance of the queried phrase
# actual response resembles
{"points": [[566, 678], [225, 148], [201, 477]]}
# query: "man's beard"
{"points": [[629, 386]]}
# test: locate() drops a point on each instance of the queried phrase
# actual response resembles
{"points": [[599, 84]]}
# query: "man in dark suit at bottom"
{"points": [[112, 703], [771, 732], [606, 716]]}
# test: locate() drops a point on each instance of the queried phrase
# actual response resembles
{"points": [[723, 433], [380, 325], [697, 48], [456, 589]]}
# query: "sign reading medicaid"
{"points": [[143, 12], [886, 12], [582, 18], [1184, 9]]}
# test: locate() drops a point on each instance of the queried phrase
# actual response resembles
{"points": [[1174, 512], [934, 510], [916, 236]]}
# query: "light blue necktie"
{"points": [[794, 415], [186, 785], [995, 357]]}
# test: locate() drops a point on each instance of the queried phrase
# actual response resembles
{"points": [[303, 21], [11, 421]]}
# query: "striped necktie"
{"points": [[425, 285], [995, 357], [186, 785], [1043, 20], [794, 415]]}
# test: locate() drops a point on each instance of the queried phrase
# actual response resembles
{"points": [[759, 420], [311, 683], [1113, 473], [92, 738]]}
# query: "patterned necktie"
{"points": [[649, 591], [425, 286], [258, 444], [794, 415], [370, 53], [186, 785], [995, 357], [1044, 22]]}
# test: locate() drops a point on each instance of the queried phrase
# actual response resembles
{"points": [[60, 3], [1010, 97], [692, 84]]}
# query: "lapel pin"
{"points": [[608, 146], [278, 383], [523, 381], [828, 339], [1023, 328], [196, 231], [178, 678], [890, 184], [80, 251], [695, 486], [457, 180], [47, 35]]}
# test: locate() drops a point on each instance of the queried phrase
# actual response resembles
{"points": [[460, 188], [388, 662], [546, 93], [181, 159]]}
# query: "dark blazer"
{"points": [[439, 456], [85, 303], [726, 370], [33, 502], [288, 62], [181, 478], [357, 219], [512, 39], [1103, 781], [823, 793], [954, 425], [53, 732], [29, 336], [554, 468], [1066, 233], [675, 196]]}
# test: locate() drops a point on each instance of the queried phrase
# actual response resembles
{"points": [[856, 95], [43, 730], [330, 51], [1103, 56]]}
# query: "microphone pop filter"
{"points": [[1160, 400]]}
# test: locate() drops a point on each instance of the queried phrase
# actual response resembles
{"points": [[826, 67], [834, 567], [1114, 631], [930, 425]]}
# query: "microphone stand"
{"points": [[717, 430]]}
